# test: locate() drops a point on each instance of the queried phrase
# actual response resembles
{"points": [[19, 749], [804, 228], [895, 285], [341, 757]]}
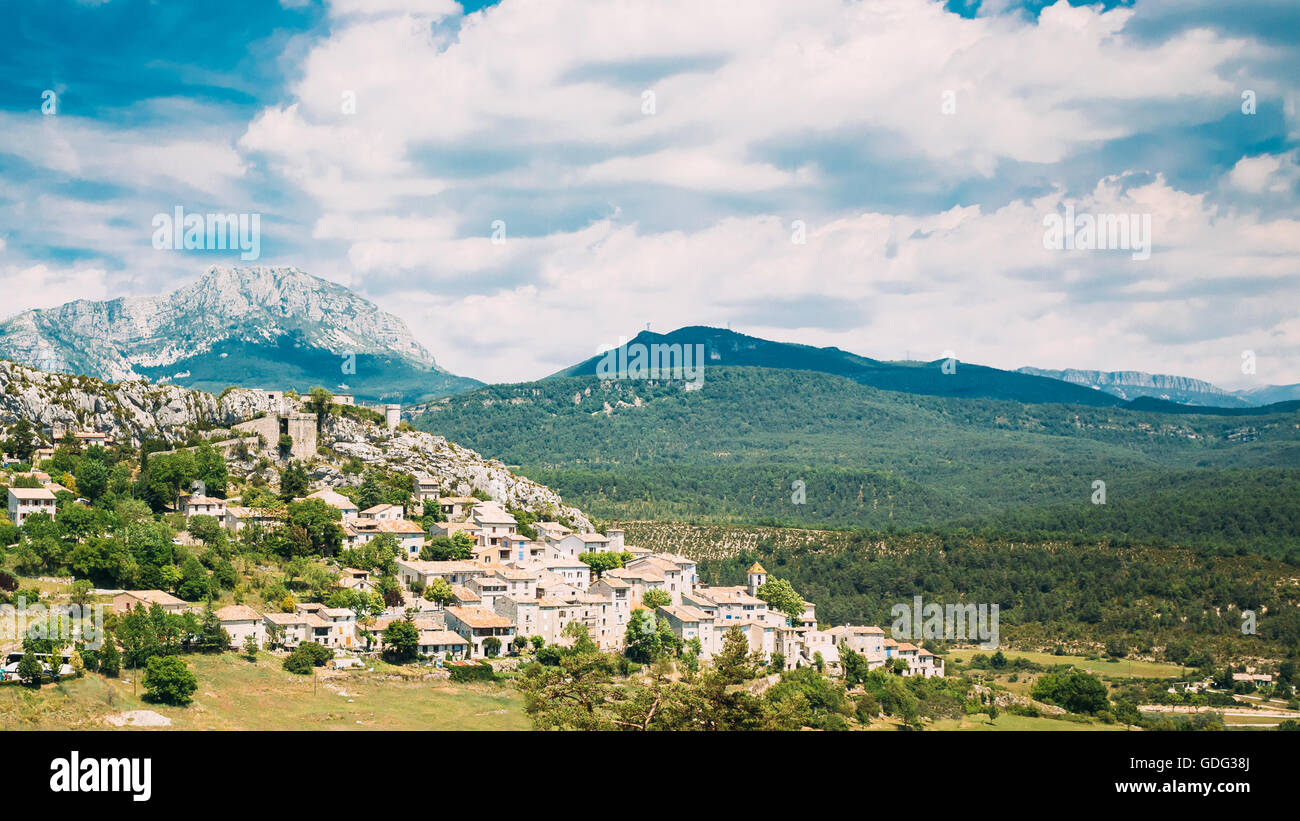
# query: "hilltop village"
{"points": [[513, 589], [473, 580]]}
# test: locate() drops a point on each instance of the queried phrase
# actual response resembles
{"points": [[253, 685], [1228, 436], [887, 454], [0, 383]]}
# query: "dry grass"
{"points": [[234, 694]]}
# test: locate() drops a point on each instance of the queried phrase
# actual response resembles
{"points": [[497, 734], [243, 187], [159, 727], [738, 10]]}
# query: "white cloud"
{"points": [[409, 127], [524, 75], [1273, 173], [45, 286], [708, 168], [978, 283], [91, 151]]}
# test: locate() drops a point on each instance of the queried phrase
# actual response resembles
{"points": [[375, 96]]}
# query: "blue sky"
{"points": [[871, 174]]}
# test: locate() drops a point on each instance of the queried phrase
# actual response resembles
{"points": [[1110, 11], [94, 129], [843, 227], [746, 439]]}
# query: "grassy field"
{"points": [[235, 694], [1007, 721], [1123, 668]]}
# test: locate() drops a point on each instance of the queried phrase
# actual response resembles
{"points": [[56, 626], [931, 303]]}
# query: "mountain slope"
{"points": [[259, 326], [134, 411], [734, 449], [1270, 394], [727, 348]]}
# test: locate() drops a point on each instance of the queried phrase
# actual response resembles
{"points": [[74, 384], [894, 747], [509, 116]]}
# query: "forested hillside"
{"points": [[736, 449], [1050, 593]]}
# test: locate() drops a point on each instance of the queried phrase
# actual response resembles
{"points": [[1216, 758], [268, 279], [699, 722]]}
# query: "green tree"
{"points": [[641, 642], [780, 596], [578, 633], [307, 655], [110, 659], [605, 560], [165, 476], [318, 402], [293, 481], [212, 638], [195, 583], [210, 465], [30, 670], [655, 598], [206, 529], [92, 478], [1075, 690], [167, 680], [448, 548], [734, 663], [22, 441], [439, 591], [298, 663], [319, 521], [402, 641]]}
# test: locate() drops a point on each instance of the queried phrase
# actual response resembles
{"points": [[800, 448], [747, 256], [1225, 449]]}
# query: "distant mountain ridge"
{"points": [[253, 327], [724, 347], [1271, 394], [1162, 393], [1135, 384]]}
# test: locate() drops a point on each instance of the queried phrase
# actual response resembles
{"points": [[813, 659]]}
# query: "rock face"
{"points": [[458, 470], [253, 327], [130, 411], [115, 339], [1132, 384], [134, 410]]}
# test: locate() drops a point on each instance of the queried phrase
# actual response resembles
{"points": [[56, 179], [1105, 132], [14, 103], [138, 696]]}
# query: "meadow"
{"points": [[236, 694]]}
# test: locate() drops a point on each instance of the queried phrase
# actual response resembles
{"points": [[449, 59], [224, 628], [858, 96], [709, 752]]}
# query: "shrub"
{"points": [[306, 656], [297, 663], [30, 670], [1076, 691], [479, 672], [168, 681], [866, 708], [110, 660]]}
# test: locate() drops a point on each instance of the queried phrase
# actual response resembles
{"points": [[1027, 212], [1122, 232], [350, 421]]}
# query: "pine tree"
{"points": [[110, 660]]}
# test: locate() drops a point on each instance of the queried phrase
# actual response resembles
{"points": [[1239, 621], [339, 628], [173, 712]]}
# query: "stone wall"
{"points": [[300, 426]]}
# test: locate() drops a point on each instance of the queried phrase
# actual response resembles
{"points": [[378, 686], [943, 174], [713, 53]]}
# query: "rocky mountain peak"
{"points": [[268, 324]]}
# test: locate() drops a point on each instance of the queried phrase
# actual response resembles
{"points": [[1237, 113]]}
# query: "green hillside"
{"points": [[722, 348], [732, 450], [289, 362]]}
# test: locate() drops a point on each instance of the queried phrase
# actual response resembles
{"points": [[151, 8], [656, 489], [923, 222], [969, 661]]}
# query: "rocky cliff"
{"points": [[1133, 384], [458, 470], [134, 410], [130, 411], [254, 327]]}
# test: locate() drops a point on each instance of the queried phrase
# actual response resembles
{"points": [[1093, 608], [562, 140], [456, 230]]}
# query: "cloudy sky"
{"points": [[870, 174]]}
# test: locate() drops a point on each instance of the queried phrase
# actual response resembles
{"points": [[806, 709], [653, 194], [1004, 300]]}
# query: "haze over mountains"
{"points": [[1182, 389]]}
